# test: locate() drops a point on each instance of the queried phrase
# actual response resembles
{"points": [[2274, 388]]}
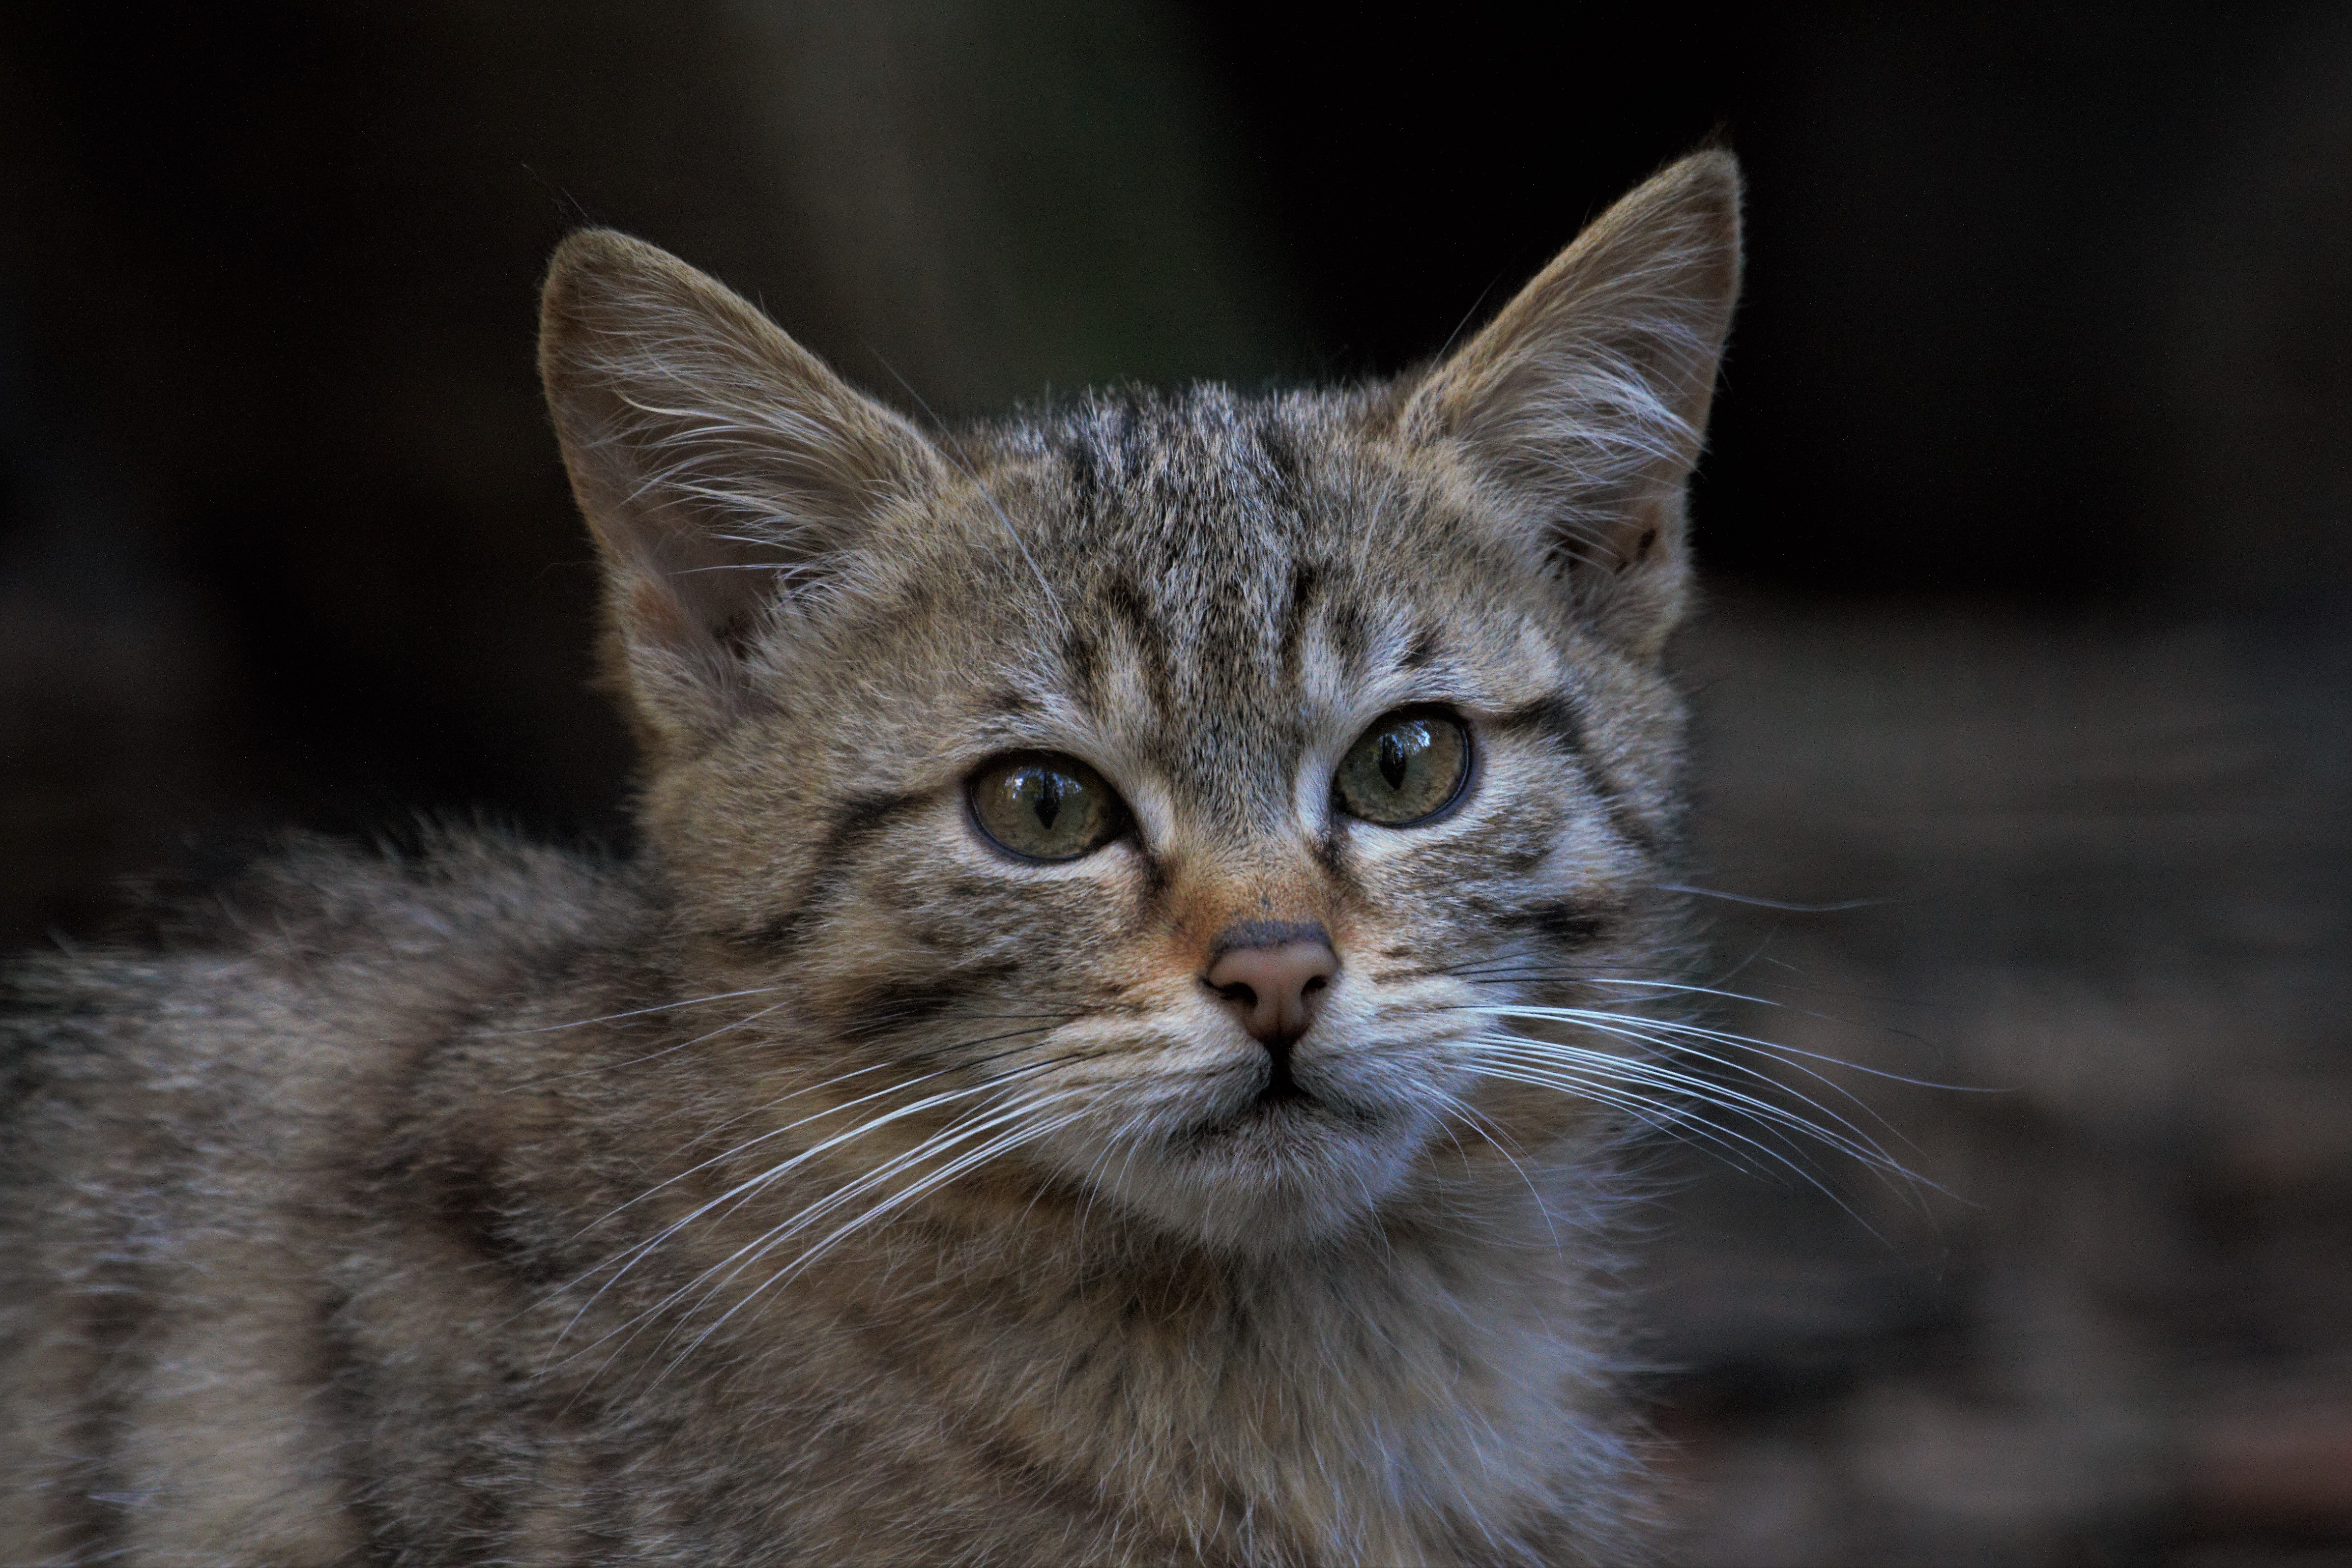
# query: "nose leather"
{"points": [[1273, 977]]}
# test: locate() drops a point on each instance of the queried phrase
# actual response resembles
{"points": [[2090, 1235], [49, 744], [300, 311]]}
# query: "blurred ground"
{"points": [[2111, 871]]}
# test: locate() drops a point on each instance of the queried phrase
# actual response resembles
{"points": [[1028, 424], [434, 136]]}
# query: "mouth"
{"points": [[1269, 1151], [1292, 1115], [1281, 1087]]}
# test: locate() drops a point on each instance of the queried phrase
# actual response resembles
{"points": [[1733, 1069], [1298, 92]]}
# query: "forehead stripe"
{"points": [[1148, 638], [1305, 587]]}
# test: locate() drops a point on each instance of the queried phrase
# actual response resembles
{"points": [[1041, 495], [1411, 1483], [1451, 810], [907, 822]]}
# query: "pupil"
{"points": [[1394, 758], [1049, 799]]}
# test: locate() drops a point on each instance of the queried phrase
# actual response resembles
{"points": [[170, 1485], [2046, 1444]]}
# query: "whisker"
{"points": [[1666, 1119], [629, 1328], [744, 1191], [632, 1013], [1776, 1048], [931, 1181], [961, 1062], [1476, 1119], [1859, 1145], [1771, 903], [649, 1056], [961, 1132], [1692, 988], [1577, 1076], [771, 1133], [1653, 1114], [638, 1251], [1781, 1049], [1640, 1029]]}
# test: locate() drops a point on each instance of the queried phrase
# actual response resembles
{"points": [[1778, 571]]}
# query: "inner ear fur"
{"points": [[722, 467], [1584, 402]]}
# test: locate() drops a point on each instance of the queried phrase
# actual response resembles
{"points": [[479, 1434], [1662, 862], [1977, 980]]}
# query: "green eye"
{"points": [[1044, 807], [1406, 768]]}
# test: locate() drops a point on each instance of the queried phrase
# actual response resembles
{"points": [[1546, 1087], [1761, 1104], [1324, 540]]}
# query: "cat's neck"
{"points": [[1356, 1393]]}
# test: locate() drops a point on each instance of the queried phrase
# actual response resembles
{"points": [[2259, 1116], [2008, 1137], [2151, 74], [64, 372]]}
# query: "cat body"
{"points": [[1038, 1092]]}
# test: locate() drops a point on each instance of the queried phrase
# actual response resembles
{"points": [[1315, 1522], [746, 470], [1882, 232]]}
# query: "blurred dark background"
{"points": [[2029, 525]]}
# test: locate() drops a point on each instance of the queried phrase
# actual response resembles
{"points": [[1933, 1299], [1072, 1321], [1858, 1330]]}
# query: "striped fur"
{"points": [[825, 1186]]}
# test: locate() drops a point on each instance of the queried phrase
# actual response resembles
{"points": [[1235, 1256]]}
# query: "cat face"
{"points": [[1169, 787]]}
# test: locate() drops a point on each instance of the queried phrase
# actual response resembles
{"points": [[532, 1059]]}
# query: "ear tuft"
{"points": [[1584, 402], [721, 467]]}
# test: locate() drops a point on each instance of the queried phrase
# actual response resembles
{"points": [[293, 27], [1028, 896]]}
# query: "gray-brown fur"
{"points": [[397, 1210]]}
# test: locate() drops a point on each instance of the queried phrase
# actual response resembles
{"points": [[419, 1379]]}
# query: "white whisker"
{"points": [[1665, 1118], [632, 1013], [1673, 1037], [744, 1190], [957, 1132], [717, 1274], [1634, 1071], [649, 1056]]}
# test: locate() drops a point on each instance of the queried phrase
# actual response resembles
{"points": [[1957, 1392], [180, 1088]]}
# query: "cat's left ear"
{"points": [[1583, 404]]}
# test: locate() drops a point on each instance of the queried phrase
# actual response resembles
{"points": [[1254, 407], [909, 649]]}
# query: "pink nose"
{"points": [[1273, 977]]}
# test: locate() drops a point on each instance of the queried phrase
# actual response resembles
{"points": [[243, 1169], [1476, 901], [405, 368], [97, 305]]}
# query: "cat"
{"points": [[1114, 1048]]}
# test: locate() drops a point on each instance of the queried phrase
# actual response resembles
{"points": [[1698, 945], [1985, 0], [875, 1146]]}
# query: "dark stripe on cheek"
{"points": [[888, 1006], [1566, 923], [1552, 715], [860, 817], [855, 822], [1555, 718], [1632, 830], [460, 1197]]}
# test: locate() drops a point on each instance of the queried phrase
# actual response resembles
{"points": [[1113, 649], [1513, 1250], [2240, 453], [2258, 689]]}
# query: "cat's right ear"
{"points": [[1583, 403], [721, 467]]}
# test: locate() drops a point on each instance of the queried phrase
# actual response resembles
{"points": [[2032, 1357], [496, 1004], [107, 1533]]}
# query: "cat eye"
{"points": [[1042, 806], [1405, 769]]}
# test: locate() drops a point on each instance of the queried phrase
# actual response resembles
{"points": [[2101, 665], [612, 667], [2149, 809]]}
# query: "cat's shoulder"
{"points": [[335, 948]]}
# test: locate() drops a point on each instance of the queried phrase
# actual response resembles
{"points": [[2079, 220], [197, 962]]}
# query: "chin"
{"points": [[1268, 1176]]}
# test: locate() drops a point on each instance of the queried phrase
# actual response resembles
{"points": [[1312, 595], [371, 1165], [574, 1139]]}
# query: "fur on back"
{"points": [[831, 1183]]}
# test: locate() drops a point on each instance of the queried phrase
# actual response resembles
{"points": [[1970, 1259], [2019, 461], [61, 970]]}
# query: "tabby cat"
{"points": [[1150, 918]]}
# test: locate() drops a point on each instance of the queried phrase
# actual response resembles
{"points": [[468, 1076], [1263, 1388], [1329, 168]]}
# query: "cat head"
{"points": [[1178, 779]]}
